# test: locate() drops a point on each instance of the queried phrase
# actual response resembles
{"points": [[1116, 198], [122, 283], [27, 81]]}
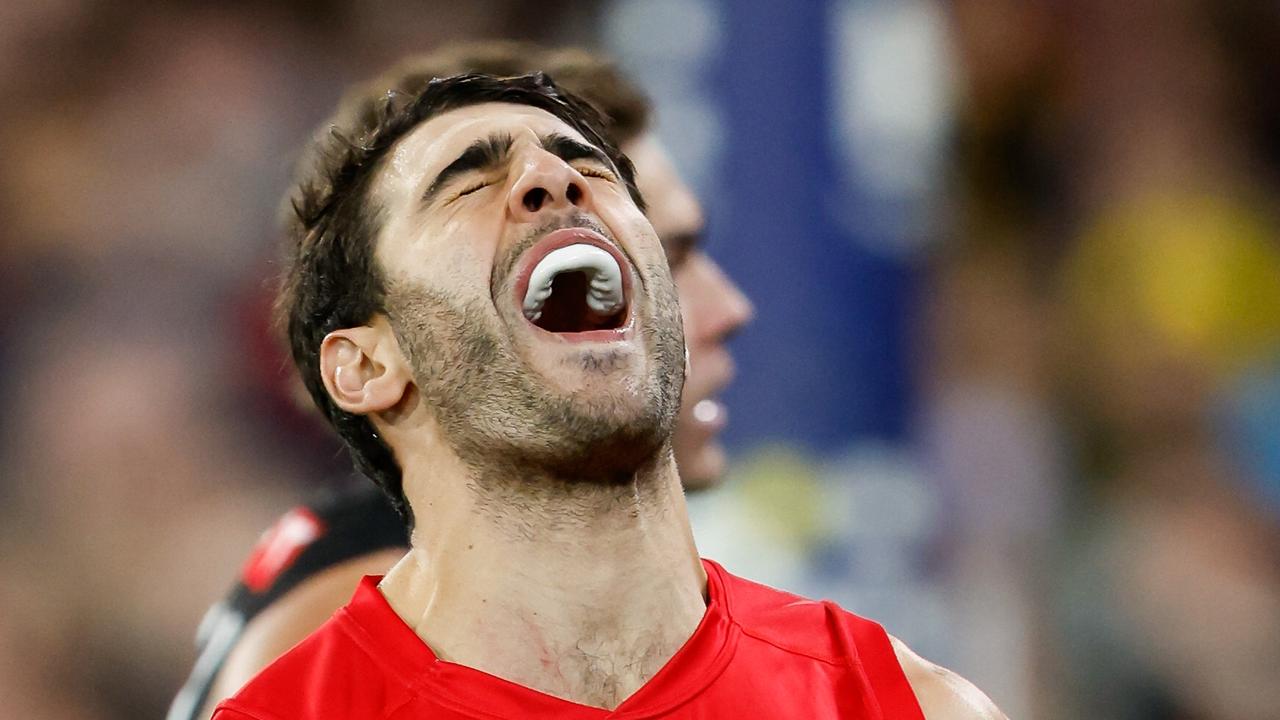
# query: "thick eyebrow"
{"points": [[483, 154], [568, 150]]}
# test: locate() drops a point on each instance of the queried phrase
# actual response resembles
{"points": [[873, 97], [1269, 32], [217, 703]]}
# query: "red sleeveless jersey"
{"points": [[758, 653]]}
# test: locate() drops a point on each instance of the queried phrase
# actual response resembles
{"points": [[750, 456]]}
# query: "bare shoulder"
{"points": [[291, 618], [942, 694]]}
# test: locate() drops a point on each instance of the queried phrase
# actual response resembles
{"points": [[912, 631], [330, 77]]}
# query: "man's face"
{"points": [[713, 309], [529, 294]]}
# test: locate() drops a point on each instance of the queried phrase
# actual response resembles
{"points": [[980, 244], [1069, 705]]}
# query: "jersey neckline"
{"points": [[375, 626]]}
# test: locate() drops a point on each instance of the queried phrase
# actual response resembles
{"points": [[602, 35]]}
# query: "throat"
{"points": [[604, 671], [590, 645], [585, 605]]}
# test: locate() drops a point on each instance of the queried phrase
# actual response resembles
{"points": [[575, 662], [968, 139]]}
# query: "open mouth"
{"points": [[578, 289]]}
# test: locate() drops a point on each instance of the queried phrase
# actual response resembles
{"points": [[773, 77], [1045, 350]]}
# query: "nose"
{"points": [[547, 184]]}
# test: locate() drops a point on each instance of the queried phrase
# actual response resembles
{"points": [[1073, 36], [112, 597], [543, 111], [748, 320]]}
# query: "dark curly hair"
{"points": [[331, 279]]}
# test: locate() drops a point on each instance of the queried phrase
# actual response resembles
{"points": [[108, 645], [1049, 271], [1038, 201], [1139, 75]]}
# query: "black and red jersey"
{"points": [[305, 541]]}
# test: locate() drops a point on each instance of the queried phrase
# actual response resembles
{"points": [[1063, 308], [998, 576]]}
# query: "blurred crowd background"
{"points": [[1013, 388]]}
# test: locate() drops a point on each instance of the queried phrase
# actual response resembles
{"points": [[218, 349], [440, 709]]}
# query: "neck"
{"points": [[575, 589]]}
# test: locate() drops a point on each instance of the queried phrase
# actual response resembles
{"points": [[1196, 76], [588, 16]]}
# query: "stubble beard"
{"points": [[519, 438]]}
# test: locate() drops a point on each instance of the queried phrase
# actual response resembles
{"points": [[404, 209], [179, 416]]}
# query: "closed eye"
{"points": [[473, 188], [596, 172]]}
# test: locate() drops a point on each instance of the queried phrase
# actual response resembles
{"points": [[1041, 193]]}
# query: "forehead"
{"points": [[435, 143]]}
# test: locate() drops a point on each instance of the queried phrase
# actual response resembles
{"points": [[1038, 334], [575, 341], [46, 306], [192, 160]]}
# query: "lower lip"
{"points": [[588, 336]]}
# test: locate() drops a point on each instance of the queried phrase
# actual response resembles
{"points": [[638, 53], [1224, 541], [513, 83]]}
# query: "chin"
{"points": [[610, 427], [605, 372]]}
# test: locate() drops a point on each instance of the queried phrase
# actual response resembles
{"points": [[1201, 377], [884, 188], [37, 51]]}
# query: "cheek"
{"points": [[615, 208], [641, 243], [461, 253]]}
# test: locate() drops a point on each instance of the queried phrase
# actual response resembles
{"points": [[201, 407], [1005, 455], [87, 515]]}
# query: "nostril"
{"points": [[534, 199], [573, 193]]}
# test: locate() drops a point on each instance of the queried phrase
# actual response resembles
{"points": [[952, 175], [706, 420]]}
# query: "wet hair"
{"points": [[331, 278]]}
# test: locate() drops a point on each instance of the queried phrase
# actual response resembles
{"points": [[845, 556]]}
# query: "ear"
{"points": [[363, 369]]}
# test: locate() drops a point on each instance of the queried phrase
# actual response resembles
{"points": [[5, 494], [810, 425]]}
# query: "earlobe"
{"points": [[361, 372]]}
